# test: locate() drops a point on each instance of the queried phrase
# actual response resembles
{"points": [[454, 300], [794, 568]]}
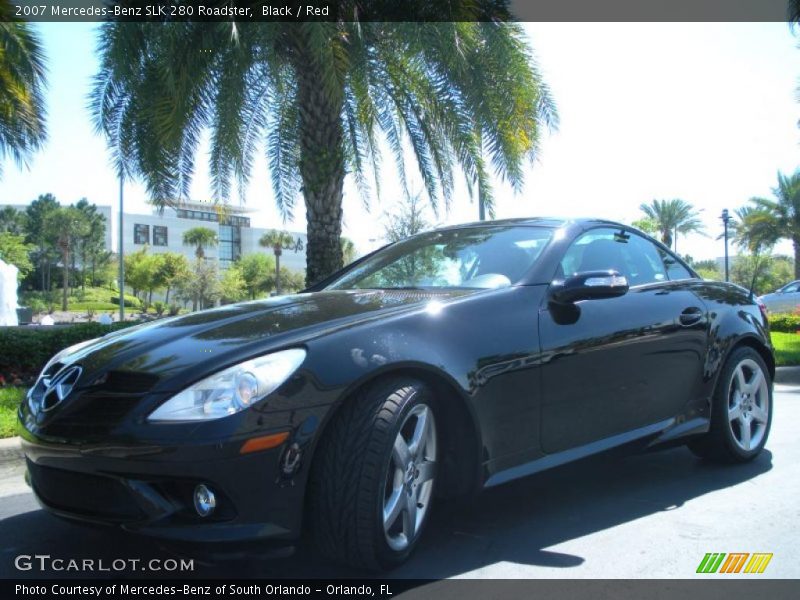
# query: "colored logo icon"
{"points": [[734, 562]]}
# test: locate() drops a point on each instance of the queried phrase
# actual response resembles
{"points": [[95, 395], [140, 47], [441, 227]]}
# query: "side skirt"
{"points": [[664, 431]]}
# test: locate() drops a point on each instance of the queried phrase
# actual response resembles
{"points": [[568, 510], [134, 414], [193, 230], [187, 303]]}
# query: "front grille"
{"points": [[83, 494], [93, 408], [88, 413]]}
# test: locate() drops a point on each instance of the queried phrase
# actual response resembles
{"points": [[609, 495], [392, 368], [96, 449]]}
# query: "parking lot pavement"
{"points": [[645, 516]]}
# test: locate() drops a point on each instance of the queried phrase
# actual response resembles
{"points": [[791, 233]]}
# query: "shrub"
{"points": [[92, 306], [25, 350], [36, 305], [785, 322], [174, 309], [159, 307], [130, 301]]}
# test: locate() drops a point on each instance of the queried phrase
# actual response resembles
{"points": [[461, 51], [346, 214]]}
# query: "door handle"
{"points": [[691, 316]]}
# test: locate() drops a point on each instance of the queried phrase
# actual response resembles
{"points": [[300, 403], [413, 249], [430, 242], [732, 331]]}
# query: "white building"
{"points": [[163, 232]]}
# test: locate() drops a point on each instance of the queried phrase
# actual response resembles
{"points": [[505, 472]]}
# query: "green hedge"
{"points": [[76, 295], [95, 306], [130, 301], [784, 322], [25, 350]]}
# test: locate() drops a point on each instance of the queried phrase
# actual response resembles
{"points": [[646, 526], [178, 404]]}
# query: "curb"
{"points": [[10, 450], [787, 375]]}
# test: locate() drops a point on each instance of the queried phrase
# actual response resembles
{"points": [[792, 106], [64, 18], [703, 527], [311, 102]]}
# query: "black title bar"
{"points": [[401, 589], [395, 10]]}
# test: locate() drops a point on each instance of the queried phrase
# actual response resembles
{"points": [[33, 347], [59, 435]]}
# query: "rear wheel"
{"points": [[741, 411], [373, 476]]}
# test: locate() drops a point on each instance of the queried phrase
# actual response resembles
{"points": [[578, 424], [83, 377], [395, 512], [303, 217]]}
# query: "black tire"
{"points": [[720, 443], [348, 480]]}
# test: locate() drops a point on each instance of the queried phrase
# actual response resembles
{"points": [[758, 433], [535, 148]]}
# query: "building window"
{"points": [[159, 235], [223, 219], [230, 243], [141, 234]]}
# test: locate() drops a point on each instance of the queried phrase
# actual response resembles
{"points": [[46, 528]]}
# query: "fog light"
{"points": [[204, 500]]}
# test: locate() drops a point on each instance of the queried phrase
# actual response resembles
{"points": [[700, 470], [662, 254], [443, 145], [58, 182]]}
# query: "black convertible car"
{"points": [[452, 361]]}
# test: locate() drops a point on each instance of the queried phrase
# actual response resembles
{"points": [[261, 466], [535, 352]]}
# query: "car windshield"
{"points": [[473, 257]]}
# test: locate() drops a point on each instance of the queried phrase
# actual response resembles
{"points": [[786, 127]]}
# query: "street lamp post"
{"points": [[725, 218], [121, 254]]}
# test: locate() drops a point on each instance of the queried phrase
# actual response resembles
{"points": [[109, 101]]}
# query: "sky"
{"points": [[706, 112]]}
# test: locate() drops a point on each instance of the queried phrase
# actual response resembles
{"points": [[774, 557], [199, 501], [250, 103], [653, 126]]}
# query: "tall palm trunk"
{"points": [[65, 288], [41, 265], [277, 250], [796, 244], [322, 170]]}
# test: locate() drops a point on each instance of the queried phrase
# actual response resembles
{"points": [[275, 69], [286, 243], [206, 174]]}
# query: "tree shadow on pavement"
{"points": [[512, 523]]}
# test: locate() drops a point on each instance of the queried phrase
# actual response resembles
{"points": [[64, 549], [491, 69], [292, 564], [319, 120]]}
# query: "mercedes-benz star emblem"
{"points": [[59, 387]]}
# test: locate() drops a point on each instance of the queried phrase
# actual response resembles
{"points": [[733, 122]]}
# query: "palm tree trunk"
{"points": [[277, 272], [322, 170], [41, 266], [796, 244], [65, 289]]}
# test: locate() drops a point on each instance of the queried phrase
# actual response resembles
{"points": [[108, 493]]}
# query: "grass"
{"points": [[94, 298], [95, 306], [10, 397], [787, 348]]}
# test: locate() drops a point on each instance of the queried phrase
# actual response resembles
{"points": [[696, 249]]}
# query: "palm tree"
{"points": [[752, 229], [22, 82], [277, 240], [465, 96], [348, 250], [12, 220], [201, 238], [65, 226], [780, 218], [671, 217]]}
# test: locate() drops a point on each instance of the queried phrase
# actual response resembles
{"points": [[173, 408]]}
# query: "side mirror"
{"points": [[589, 285]]}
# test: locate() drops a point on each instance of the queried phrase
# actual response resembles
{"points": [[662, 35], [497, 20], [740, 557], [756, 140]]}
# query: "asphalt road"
{"points": [[645, 516]]}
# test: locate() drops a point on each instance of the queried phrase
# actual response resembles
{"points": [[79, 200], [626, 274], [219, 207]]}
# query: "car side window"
{"points": [[615, 249], [675, 270], [792, 287]]}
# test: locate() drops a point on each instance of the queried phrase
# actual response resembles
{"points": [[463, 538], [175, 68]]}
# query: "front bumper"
{"points": [[149, 489]]}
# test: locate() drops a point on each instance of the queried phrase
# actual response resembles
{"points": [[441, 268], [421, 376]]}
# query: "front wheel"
{"points": [[741, 411], [373, 476]]}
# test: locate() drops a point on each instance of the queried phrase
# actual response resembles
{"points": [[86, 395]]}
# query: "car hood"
{"points": [[204, 341]]}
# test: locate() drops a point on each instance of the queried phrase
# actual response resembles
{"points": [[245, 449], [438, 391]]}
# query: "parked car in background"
{"points": [[783, 300], [449, 362]]}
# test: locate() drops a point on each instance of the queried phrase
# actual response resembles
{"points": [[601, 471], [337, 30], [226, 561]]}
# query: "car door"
{"points": [[787, 299], [615, 365]]}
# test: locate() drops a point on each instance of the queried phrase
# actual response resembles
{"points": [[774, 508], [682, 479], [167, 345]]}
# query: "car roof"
{"points": [[550, 222]]}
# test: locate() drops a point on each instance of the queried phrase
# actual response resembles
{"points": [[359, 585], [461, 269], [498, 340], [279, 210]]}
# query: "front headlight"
{"points": [[229, 391]]}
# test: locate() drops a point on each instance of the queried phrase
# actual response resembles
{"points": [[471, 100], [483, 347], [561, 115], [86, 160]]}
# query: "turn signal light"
{"points": [[265, 442]]}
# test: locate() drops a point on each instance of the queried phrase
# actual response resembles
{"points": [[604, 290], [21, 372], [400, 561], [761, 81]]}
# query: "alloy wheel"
{"points": [[748, 404], [410, 478]]}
